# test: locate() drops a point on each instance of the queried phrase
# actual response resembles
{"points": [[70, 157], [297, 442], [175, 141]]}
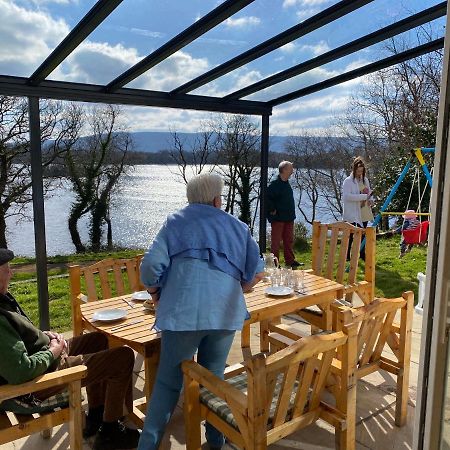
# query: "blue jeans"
{"points": [[177, 346]]}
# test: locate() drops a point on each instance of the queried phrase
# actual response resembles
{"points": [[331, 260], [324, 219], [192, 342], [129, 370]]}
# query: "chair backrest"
{"points": [[285, 388], [330, 244], [104, 279], [375, 327]]}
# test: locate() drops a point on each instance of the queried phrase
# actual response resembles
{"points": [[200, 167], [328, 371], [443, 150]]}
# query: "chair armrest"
{"points": [[216, 385], [233, 370], [287, 331], [60, 377]]}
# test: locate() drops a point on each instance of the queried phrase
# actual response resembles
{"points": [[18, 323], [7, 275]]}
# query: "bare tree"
{"points": [[239, 143], [191, 159], [322, 164], [59, 132], [94, 169], [229, 145], [395, 111]]}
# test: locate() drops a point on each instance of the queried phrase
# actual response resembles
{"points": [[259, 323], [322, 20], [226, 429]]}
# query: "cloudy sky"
{"points": [[30, 30]]}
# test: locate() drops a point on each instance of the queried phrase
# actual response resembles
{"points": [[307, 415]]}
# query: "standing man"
{"points": [[281, 213]]}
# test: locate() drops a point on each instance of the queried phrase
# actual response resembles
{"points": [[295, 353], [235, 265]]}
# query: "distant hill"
{"points": [[155, 141]]}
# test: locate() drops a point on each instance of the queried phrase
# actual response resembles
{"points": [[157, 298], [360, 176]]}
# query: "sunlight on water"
{"points": [[140, 205], [142, 202]]}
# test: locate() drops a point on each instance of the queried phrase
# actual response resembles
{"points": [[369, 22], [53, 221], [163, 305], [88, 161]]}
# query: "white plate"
{"points": [[109, 315], [279, 290], [141, 296]]}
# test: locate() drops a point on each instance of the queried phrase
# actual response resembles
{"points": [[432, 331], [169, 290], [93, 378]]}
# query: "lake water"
{"points": [[144, 199]]}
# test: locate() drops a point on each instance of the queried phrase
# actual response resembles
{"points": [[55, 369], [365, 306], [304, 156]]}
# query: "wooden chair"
{"points": [[381, 343], [104, 279], [330, 243], [15, 426], [269, 397]]}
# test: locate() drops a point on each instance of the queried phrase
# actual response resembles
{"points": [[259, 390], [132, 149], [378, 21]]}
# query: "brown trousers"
{"points": [[109, 373], [283, 231]]}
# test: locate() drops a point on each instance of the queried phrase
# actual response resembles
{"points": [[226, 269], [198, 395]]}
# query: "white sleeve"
{"points": [[347, 192]]}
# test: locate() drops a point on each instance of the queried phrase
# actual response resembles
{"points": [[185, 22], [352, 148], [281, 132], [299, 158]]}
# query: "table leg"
{"points": [[264, 345], [151, 362]]}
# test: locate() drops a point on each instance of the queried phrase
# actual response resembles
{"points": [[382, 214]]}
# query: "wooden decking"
{"points": [[375, 413]]}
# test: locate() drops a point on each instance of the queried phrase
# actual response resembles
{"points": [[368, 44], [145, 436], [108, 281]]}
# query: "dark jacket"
{"points": [[24, 348], [280, 198]]}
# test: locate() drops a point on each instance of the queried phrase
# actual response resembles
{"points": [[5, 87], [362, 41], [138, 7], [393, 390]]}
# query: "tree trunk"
{"points": [[3, 243], [75, 214], [96, 232], [109, 240]]}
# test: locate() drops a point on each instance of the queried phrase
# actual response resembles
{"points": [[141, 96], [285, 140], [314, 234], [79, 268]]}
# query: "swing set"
{"points": [[417, 235]]}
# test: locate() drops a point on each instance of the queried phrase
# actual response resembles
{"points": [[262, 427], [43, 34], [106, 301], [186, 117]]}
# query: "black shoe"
{"points": [[115, 437], [91, 428], [93, 421], [296, 264]]}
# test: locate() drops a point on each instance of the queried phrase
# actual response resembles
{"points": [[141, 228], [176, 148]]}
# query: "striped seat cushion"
{"points": [[221, 409], [29, 404]]}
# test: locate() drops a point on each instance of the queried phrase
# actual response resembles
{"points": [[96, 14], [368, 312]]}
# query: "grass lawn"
{"points": [[393, 276]]}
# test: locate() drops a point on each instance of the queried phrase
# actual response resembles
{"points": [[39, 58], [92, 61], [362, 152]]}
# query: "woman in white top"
{"points": [[356, 198]]}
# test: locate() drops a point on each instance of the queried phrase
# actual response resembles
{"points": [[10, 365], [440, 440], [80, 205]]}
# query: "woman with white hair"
{"points": [[196, 270]]}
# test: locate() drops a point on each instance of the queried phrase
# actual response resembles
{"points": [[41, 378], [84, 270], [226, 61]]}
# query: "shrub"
{"points": [[301, 242]]}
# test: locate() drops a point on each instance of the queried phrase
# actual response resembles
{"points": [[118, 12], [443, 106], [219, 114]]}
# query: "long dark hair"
{"points": [[358, 162]]}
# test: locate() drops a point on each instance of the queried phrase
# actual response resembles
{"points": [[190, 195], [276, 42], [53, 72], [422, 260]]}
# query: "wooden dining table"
{"points": [[138, 333]]}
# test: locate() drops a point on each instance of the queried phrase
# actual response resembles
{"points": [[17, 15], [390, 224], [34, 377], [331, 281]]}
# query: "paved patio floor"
{"points": [[375, 414]]}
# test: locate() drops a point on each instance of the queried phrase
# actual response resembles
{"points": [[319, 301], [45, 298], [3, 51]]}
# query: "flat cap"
{"points": [[5, 256]]}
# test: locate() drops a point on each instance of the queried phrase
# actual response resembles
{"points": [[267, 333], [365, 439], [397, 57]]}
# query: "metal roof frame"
{"points": [[115, 92], [37, 86]]}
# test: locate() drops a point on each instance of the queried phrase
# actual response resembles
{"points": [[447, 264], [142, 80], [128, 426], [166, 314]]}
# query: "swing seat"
{"points": [[417, 236]]}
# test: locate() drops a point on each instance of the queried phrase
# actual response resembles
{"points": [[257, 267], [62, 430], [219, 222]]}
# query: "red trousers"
{"points": [[283, 231]]}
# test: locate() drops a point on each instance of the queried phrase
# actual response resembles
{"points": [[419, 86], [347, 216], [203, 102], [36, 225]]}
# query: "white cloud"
{"points": [[91, 62], [317, 49], [242, 22], [301, 3], [288, 48], [60, 2], [303, 14], [148, 33], [27, 38], [99, 63]]}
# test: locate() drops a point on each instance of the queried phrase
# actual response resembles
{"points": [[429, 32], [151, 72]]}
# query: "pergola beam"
{"points": [[98, 13], [361, 71], [325, 17], [80, 92], [191, 33], [376, 37]]}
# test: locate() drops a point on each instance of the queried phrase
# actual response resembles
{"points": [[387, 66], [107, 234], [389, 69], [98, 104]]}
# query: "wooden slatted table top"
{"points": [[317, 290], [260, 307]]}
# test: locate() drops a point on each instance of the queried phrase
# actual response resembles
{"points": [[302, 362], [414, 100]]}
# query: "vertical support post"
{"points": [[427, 173], [263, 182], [38, 212]]}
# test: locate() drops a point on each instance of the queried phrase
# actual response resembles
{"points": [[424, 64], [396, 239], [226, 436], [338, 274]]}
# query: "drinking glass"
{"points": [[301, 281], [275, 277]]}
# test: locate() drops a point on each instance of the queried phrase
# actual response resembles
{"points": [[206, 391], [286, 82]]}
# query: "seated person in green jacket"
{"points": [[28, 352]]}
